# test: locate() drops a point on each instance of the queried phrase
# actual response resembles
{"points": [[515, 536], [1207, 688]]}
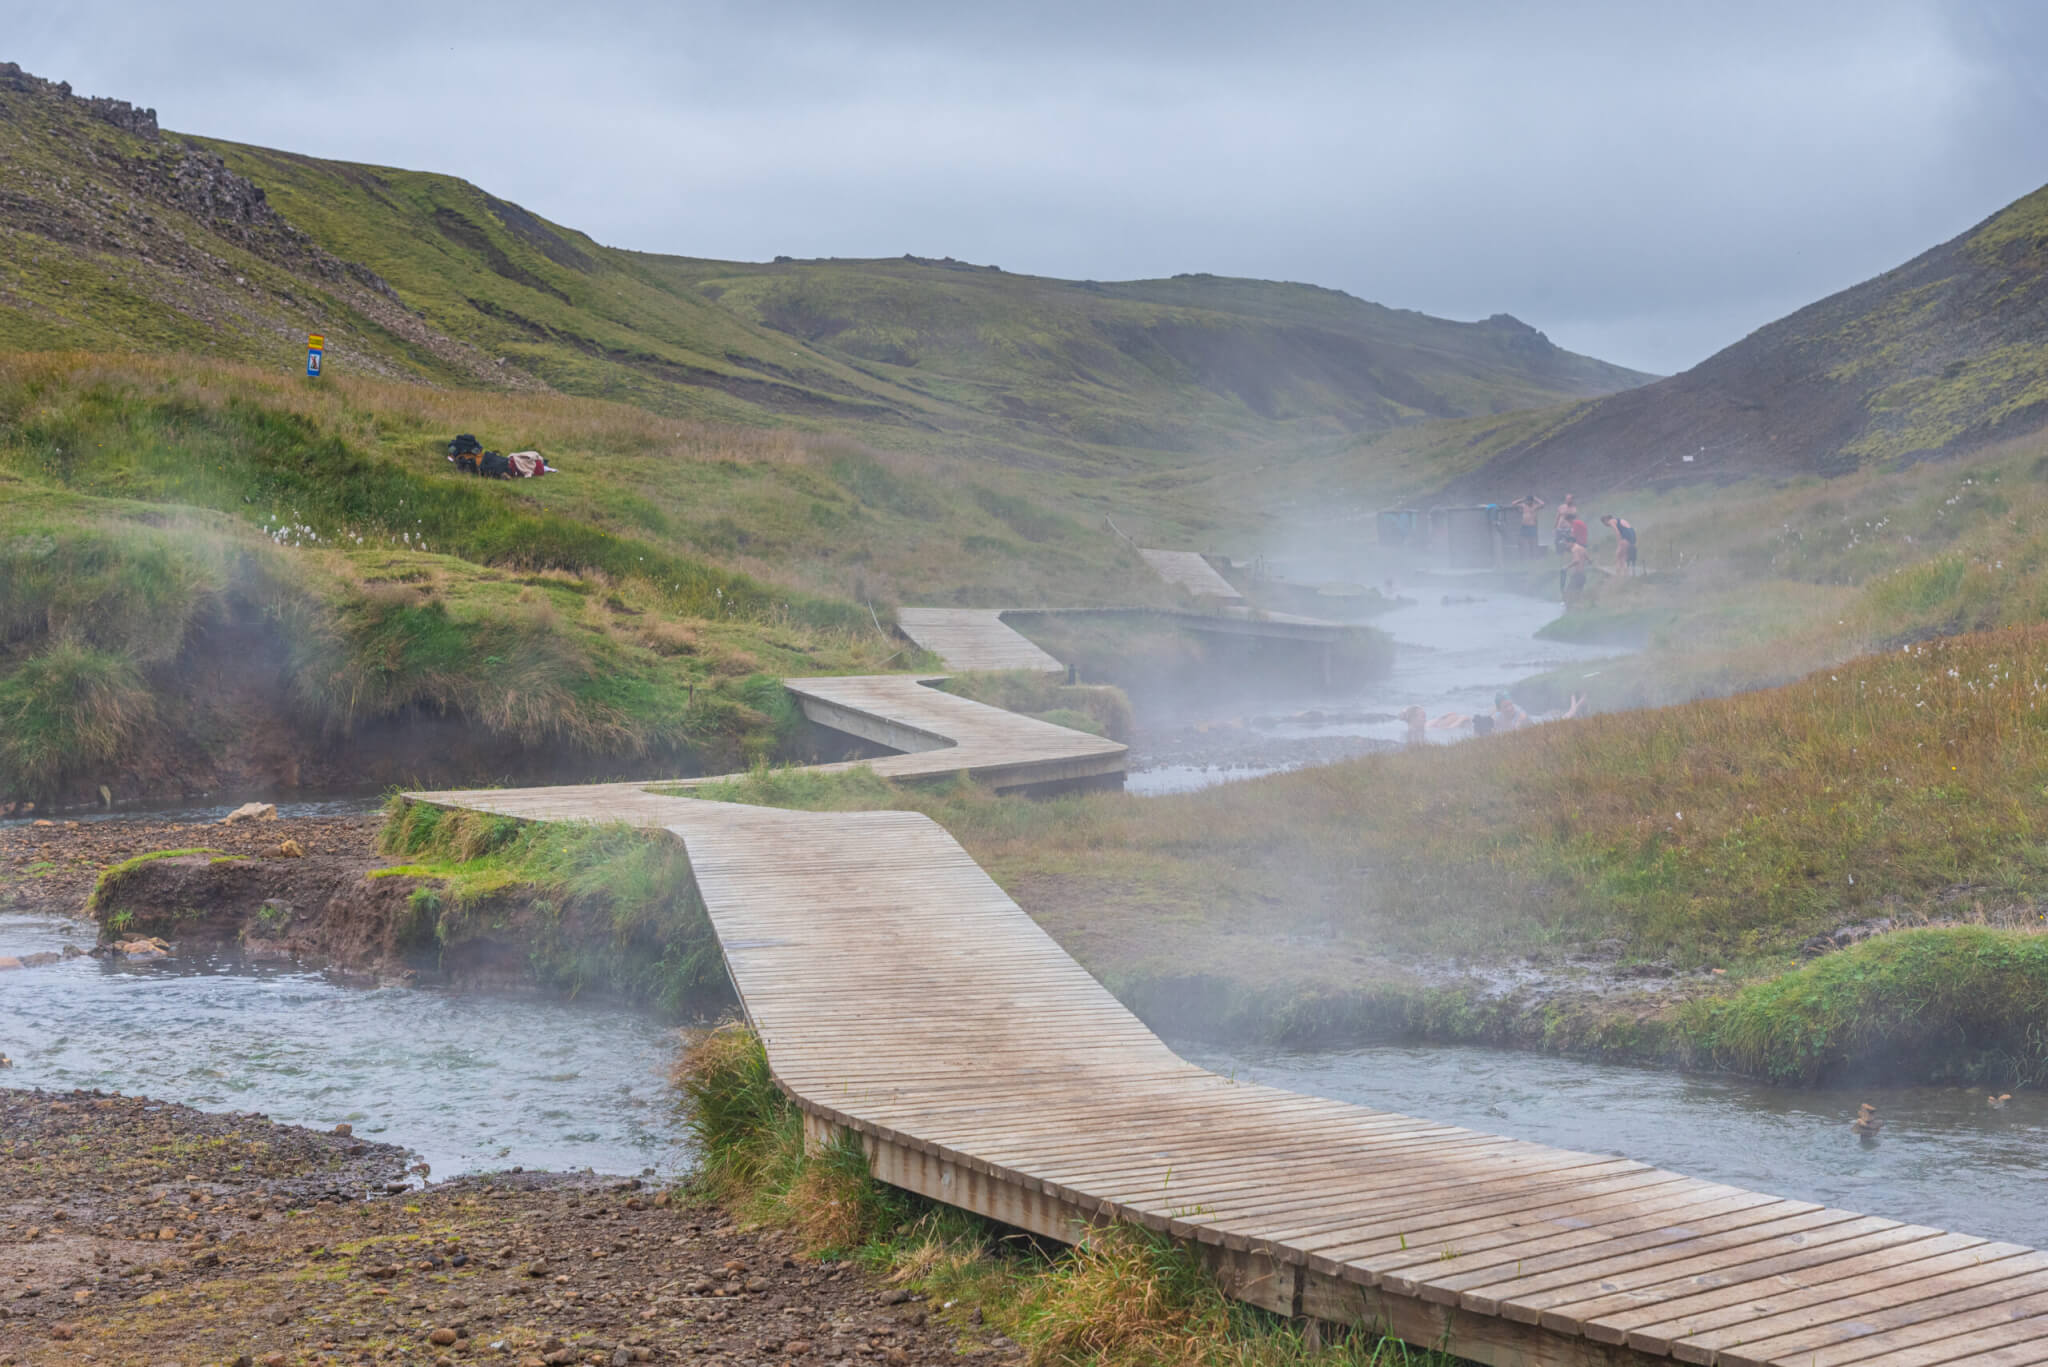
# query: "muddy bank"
{"points": [[50, 867], [140, 1232], [343, 910]]}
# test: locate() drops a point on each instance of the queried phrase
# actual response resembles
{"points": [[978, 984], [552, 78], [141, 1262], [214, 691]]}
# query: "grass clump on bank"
{"points": [[592, 908], [1124, 1298], [1959, 1003], [1099, 709]]}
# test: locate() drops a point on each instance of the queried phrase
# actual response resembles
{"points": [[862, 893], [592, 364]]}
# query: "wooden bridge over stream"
{"points": [[904, 998]]}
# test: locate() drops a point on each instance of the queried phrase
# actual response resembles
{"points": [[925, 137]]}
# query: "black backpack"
{"points": [[494, 466], [465, 445]]}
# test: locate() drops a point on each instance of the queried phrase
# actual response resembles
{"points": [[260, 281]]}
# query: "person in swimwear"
{"points": [[1624, 543]]}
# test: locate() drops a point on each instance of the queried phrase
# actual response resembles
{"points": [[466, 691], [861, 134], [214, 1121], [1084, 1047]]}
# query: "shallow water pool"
{"points": [[471, 1082]]}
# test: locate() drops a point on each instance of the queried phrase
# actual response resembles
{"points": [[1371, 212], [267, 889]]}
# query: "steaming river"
{"points": [[1449, 656], [471, 1082], [481, 1082], [1944, 1158]]}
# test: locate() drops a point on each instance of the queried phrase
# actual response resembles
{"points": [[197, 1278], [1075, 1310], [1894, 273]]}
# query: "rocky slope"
{"points": [[1946, 353]]}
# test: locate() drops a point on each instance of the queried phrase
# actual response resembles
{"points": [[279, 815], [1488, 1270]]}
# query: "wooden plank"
{"points": [[974, 638], [1189, 572], [1655, 1317]]}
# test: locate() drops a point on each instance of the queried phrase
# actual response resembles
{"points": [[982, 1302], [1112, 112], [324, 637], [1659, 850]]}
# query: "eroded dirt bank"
{"points": [[140, 1232]]}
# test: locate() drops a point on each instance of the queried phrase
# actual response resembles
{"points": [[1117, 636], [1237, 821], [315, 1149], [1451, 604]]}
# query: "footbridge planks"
{"points": [[904, 998], [1190, 571], [974, 638], [943, 734]]}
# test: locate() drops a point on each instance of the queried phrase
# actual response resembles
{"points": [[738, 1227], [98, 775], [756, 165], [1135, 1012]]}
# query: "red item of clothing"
{"points": [[1579, 530]]}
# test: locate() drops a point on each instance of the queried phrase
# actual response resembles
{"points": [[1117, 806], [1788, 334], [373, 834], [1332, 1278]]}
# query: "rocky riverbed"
{"points": [[140, 1232]]}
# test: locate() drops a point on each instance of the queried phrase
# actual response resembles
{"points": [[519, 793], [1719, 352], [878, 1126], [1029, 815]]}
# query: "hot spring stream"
{"points": [[1454, 647], [483, 1082], [470, 1082]]}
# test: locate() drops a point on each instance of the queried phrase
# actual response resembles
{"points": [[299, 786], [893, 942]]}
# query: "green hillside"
{"points": [[118, 236]]}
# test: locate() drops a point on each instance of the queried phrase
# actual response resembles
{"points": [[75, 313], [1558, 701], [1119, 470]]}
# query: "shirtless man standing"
{"points": [[1530, 505], [1561, 530]]}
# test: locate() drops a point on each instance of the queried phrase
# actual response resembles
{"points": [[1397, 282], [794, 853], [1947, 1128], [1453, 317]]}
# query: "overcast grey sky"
{"points": [[1644, 181]]}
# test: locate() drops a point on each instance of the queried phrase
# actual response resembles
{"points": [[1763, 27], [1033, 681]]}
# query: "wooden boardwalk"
{"points": [[944, 735], [1189, 571], [974, 638], [905, 998]]}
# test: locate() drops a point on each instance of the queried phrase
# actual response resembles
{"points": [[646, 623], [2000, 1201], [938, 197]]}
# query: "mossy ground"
{"points": [[594, 908]]}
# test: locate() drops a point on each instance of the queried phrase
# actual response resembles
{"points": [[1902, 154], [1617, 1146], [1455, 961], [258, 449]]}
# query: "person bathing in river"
{"points": [[1530, 506], [1418, 724], [1624, 542], [1574, 573], [1507, 714]]}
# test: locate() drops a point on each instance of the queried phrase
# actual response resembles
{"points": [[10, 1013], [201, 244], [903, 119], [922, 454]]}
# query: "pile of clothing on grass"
{"points": [[469, 456]]}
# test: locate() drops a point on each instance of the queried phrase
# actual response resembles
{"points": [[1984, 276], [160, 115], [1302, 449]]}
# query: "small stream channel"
{"points": [[470, 1082], [1455, 646]]}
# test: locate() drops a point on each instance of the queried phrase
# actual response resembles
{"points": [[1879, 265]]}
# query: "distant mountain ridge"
{"points": [[125, 237], [1943, 354]]}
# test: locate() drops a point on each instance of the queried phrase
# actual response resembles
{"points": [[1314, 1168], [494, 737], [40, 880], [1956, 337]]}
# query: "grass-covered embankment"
{"points": [[607, 909], [209, 575], [1124, 1298], [154, 650]]}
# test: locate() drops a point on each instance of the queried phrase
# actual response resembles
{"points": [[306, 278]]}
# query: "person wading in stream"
{"points": [[1574, 573]]}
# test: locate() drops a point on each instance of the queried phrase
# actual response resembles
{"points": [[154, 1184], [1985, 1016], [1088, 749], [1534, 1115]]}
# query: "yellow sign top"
{"points": [[315, 339]]}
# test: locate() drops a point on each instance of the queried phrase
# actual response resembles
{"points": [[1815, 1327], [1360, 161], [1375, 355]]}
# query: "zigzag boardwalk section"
{"points": [[1188, 570], [974, 638], [906, 1000], [944, 735]]}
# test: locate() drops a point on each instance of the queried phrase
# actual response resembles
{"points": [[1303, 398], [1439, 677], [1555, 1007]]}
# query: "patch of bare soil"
{"points": [[139, 1232], [50, 869]]}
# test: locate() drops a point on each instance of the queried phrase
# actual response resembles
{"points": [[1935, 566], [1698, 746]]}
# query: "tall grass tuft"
{"points": [[1122, 1298], [69, 712]]}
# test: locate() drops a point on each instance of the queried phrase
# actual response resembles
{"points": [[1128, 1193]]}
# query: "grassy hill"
{"points": [[1946, 353], [120, 237]]}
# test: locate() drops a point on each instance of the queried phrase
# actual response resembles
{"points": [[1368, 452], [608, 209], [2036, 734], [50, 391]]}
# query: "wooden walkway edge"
{"points": [[974, 638], [904, 998]]}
